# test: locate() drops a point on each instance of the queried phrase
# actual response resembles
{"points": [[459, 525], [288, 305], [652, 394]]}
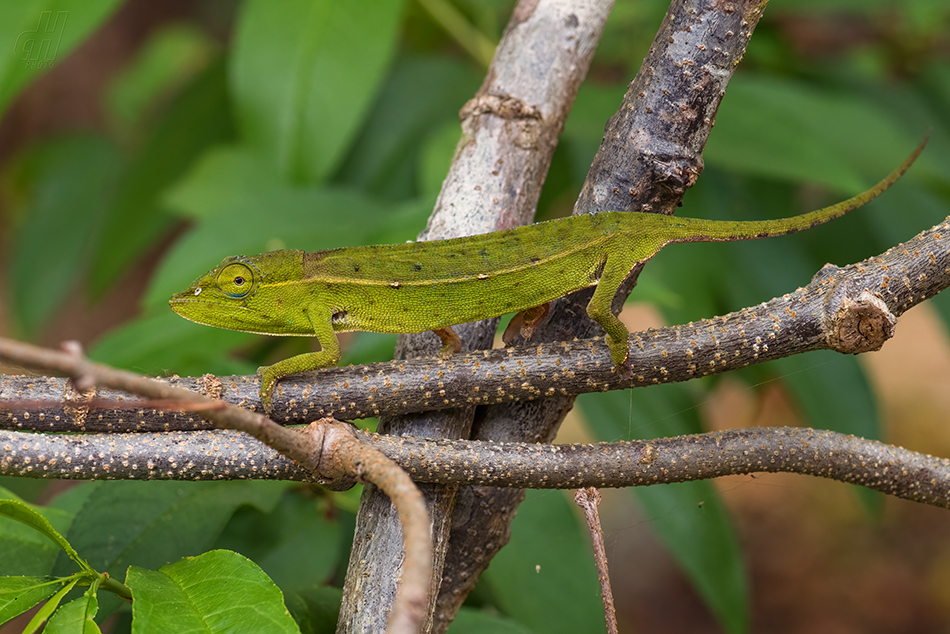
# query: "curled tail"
{"points": [[697, 230]]}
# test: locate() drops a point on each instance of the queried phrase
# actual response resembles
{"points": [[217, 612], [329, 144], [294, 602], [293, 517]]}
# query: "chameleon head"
{"points": [[241, 294]]}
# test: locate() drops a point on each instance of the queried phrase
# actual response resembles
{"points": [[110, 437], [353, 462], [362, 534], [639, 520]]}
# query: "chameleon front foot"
{"points": [[299, 364], [268, 383]]}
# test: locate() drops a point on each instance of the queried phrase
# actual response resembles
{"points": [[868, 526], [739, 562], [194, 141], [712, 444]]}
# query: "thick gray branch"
{"points": [[509, 132]]}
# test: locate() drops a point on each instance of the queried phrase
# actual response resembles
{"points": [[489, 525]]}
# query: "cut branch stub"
{"points": [[860, 325]]}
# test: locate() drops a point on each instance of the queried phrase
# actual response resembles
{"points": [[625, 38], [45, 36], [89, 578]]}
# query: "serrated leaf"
{"points": [[218, 591], [152, 523], [47, 609], [294, 63], [688, 517], [19, 594], [76, 616], [545, 577]]}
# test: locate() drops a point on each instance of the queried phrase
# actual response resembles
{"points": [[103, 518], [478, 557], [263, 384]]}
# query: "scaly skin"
{"points": [[419, 286]]}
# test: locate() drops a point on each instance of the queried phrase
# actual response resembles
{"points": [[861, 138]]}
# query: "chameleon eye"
{"points": [[236, 280]]}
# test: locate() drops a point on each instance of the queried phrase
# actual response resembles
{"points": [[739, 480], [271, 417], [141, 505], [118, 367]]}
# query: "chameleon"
{"points": [[422, 286]]}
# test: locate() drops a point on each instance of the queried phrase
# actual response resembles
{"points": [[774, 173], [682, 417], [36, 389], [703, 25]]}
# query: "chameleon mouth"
{"points": [[224, 315]]}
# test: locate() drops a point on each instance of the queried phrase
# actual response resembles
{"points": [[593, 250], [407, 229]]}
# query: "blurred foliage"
{"points": [[320, 124]]}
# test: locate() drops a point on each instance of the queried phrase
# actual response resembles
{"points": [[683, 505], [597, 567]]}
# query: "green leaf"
{"points": [[296, 544], [69, 501], [16, 510], [218, 591], [315, 610], [436, 158], [220, 179], [303, 75], [170, 57], [137, 218], [161, 342], [833, 392], [69, 184], [43, 614], [471, 621], [152, 523], [23, 549], [19, 594], [688, 517], [545, 577], [785, 129], [38, 34], [75, 616], [418, 99]]}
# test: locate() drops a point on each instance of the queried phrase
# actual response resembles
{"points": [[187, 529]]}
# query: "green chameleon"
{"points": [[419, 286]]}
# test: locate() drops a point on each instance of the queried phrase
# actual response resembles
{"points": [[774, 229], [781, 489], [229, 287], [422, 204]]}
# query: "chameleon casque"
{"points": [[419, 286]]}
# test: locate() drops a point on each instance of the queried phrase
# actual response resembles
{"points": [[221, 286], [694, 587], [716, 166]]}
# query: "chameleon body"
{"points": [[419, 286]]}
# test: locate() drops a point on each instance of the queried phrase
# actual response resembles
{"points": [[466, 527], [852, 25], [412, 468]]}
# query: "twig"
{"points": [[588, 499], [352, 454]]}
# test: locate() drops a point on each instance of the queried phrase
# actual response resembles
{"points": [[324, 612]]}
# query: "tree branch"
{"points": [[217, 455], [509, 132]]}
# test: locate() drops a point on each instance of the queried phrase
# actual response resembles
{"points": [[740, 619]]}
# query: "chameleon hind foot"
{"points": [[525, 323], [450, 342]]}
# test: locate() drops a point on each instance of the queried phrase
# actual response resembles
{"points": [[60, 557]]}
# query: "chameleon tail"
{"points": [[697, 230]]}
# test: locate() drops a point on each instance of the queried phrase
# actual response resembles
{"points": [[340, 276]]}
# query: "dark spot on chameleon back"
{"points": [[416, 267], [356, 268]]}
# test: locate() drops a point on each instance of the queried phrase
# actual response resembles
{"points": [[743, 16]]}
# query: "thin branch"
{"points": [[588, 499], [351, 454]]}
